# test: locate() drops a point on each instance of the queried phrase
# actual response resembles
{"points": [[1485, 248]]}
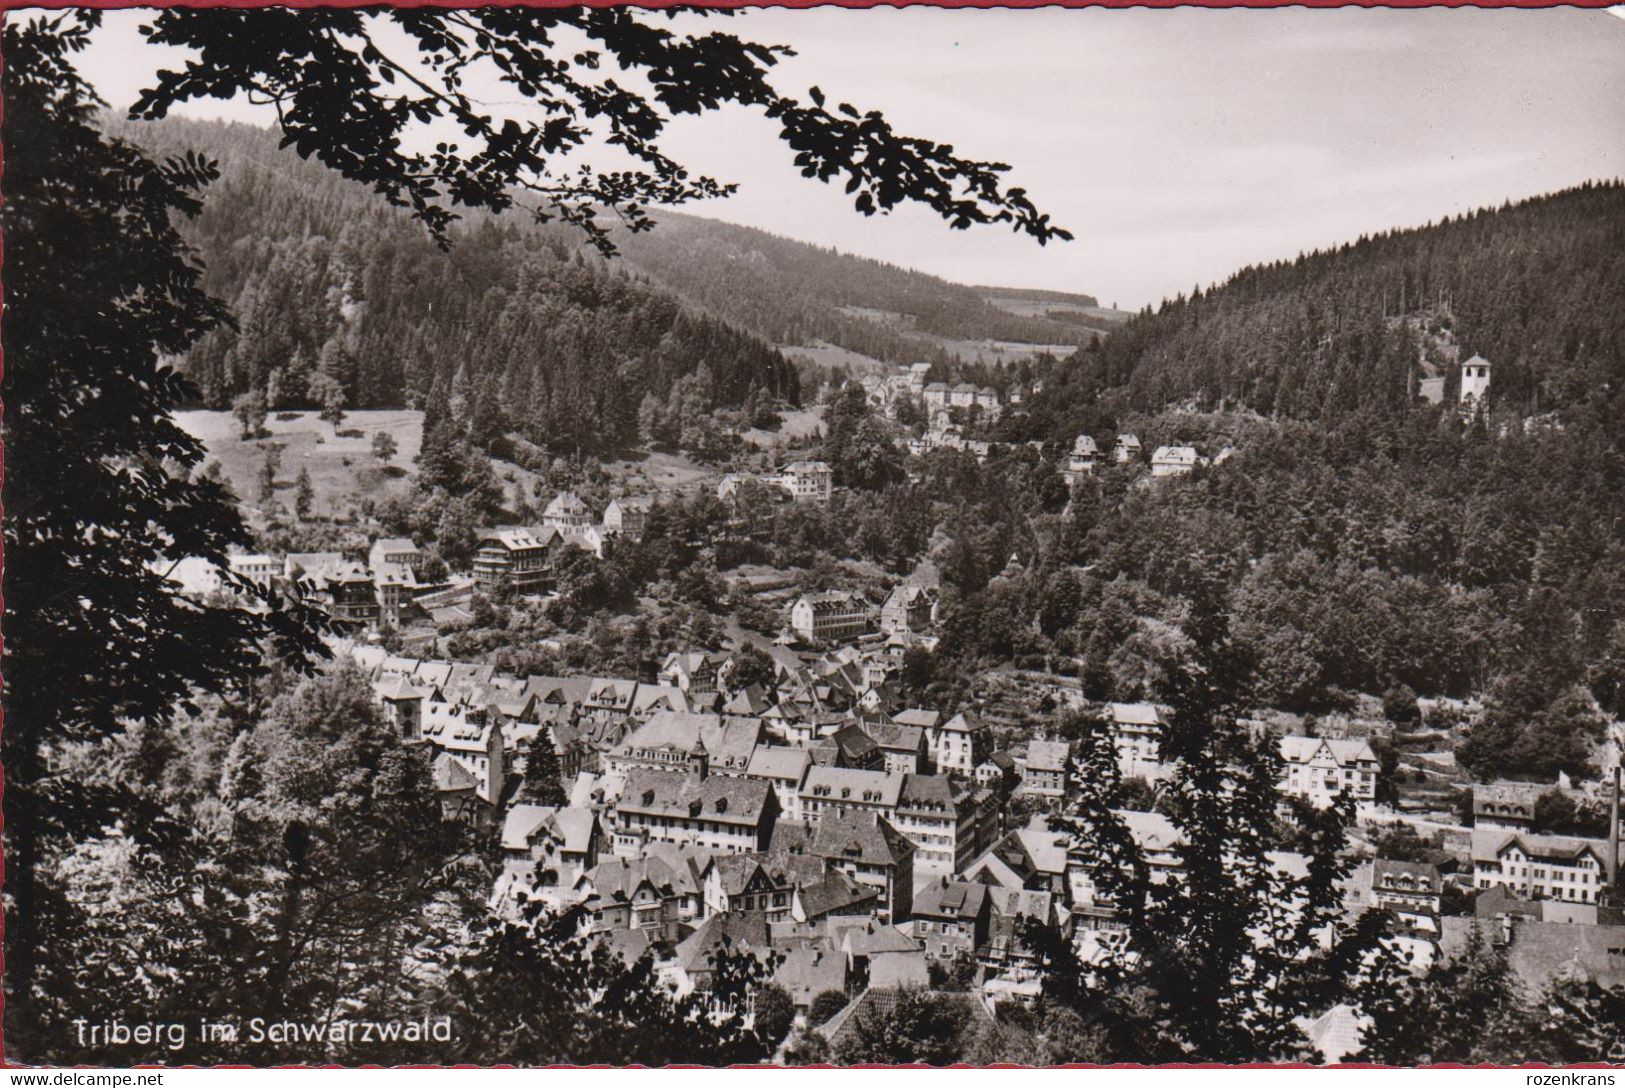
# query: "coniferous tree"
{"points": [[304, 494], [544, 781]]}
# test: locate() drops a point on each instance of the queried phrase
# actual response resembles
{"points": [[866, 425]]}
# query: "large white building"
{"points": [[806, 481], [959, 744], [1540, 866], [1137, 736], [567, 513], [831, 617], [1319, 769]]}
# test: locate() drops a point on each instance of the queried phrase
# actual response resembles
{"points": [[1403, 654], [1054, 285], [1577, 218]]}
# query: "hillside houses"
{"points": [[389, 588], [802, 481], [863, 840]]}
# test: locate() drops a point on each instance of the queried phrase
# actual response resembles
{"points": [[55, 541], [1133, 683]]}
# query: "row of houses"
{"points": [[378, 591], [524, 558], [803, 481], [963, 395], [382, 590], [1171, 460], [946, 436], [683, 824]]}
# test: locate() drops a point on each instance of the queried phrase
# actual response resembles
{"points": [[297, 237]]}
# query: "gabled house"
{"points": [[515, 559], [549, 847], [867, 848], [950, 918], [1046, 768], [1173, 460], [909, 607], [1541, 866], [696, 670], [717, 813], [903, 747], [1412, 890], [658, 893], [567, 513], [395, 551], [1081, 461], [1320, 769], [627, 516], [748, 882], [959, 744]]}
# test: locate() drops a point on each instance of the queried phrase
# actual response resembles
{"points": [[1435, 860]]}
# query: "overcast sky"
{"points": [[1178, 145]]}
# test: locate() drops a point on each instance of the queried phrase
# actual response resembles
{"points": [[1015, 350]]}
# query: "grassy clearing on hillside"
{"points": [[661, 473], [342, 467], [800, 426], [996, 351], [830, 355], [343, 470]]}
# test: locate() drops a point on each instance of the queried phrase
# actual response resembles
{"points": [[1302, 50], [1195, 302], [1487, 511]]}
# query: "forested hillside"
{"points": [[1533, 287], [794, 293], [322, 279], [1367, 539]]}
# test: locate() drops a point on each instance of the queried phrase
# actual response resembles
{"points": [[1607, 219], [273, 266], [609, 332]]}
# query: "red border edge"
{"points": [[732, 5]]}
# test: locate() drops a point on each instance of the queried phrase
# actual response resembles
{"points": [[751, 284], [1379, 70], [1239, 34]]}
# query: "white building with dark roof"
{"points": [[567, 513], [1173, 460], [828, 789], [719, 813], [1540, 866], [784, 769], [960, 743], [831, 617], [1320, 769], [1137, 735]]}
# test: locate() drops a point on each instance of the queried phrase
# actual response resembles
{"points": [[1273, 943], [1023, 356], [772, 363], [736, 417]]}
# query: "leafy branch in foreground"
{"points": [[357, 105]]}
